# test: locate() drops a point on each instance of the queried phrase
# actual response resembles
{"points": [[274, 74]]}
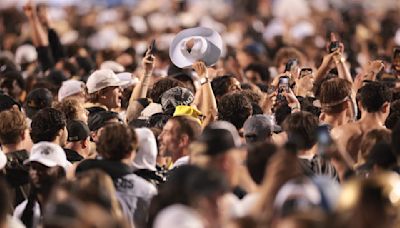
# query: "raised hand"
{"points": [[200, 68]]}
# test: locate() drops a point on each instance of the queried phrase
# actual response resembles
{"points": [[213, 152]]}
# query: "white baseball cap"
{"points": [[112, 65], [128, 77], [48, 154], [101, 79], [69, 88], [25, 54], [206, 45]]}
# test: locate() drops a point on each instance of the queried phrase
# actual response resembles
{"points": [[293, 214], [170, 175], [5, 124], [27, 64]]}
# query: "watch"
{"points": [[203, 81]]}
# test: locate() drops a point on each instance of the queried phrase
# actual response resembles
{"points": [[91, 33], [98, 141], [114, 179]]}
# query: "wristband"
{"points": [[204, 81]]}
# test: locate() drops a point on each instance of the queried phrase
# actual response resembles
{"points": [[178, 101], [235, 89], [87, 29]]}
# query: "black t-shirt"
{"points": [[72, 155]]}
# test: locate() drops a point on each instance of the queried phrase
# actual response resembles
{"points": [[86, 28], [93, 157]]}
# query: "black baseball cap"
{"points": [[100, 119], [7, 102], [77, 130], [36, 100]]}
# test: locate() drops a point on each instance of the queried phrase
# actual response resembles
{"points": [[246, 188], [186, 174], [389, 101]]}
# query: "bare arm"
{"points": [[140, 91], [39, 36], [208, 104]]}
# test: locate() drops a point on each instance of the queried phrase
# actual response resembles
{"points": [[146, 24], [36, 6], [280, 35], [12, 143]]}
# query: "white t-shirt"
{"points": [[36, 212]]}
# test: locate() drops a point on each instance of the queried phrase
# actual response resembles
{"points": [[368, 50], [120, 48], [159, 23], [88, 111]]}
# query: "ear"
{"points": [[385, 108], [84, 143], [184, 140]]}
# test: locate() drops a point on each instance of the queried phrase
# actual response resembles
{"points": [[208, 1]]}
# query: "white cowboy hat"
{"points": [[194, 44]]}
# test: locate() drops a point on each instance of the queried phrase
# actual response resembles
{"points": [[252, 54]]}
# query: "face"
{"points": [[234, 86], [113, 96], [63, 137], [253, 76], [42, 176], [169, 140]]}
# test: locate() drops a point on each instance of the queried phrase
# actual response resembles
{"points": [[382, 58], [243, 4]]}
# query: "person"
{"points": [[36, 100], [145, 161], [47, 165], [225, 84], [73, 109], [14, 139], [117, 146], [220, 144], [380, 158], [7, 102], [13, 84], [335, 99], [99, 120], [49, 125], [104, 90], [258, 128], [72, 89], [78, 143], [301, 130], [200, 191], [234, 108], [176, 137], [374, 103], [258, 156]]}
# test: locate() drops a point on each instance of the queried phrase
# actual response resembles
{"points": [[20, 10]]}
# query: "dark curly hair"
{"points": [[161, 86], [234, 108], [46, 124], [373, 95], [116, 142], [220, 85]]}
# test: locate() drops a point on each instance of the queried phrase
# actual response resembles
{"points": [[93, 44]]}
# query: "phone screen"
{"points": [[333, 46], [283, 84], [324, 139]]}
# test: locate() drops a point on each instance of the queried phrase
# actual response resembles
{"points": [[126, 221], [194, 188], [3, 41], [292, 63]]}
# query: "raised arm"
{"points": [[140, 91], [208, 103], [39, 36]]}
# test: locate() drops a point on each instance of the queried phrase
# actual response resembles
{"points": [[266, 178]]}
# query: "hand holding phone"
{"points": [[283, 86], [305, 71]]}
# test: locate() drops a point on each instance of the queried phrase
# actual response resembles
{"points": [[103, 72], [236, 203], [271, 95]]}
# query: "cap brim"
{"points": [[212, 55], [46, 162]]}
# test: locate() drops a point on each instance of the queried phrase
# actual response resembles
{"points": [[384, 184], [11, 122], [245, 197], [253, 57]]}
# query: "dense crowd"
{"points": [[288, 119]]}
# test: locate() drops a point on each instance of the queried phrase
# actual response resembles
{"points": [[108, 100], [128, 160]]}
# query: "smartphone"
{"points": [[283, 86], [152, 47], [324, 139], [333, 46], [291, 65], [305, 71]]}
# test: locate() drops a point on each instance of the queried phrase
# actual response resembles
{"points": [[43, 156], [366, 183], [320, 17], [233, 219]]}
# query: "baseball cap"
{"points": [[100, 119], [258, 128], [219, 137], [101, 79], [112, 65], [48, 154], [174, 97], [25, 54], [129, 78], [36, 100], [7, 102], [77, 130], [69, 88]]}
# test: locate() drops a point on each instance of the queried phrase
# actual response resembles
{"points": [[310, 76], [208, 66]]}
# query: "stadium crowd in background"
{"points": [[200, 113]]}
